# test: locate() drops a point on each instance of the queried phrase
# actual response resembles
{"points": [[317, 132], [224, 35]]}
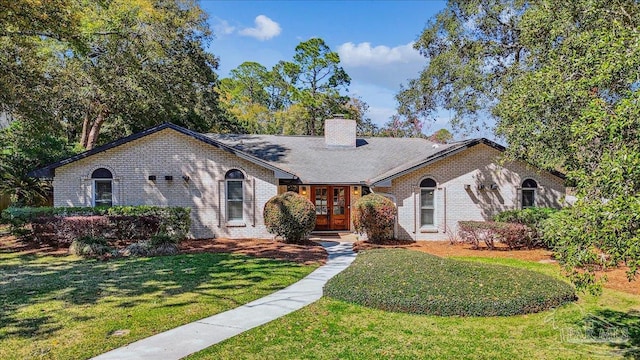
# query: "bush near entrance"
{"points": [[374, 215], [291, 216]]}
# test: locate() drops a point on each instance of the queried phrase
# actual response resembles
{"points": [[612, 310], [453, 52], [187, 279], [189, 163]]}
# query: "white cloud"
{"points": [[381, 65], [222, 27], [265, 29], [364, 54]]}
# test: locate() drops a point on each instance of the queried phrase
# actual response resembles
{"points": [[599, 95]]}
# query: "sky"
{"points": [[373, 38]]}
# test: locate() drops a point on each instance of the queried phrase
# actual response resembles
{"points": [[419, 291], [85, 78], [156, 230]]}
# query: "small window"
{"points": [[427, 202], [102, 187], [529, 187], [235, 194]]}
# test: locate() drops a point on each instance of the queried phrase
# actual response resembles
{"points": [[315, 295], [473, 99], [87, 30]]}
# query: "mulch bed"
{"points": [[446, 249], [308, 253], [9, 243]]}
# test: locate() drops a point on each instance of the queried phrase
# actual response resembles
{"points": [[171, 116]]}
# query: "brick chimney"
{"points": [[340, 133]]}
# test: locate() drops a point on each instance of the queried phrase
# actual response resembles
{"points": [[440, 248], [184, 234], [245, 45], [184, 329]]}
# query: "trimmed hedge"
{"points": [[409, 281], [511, 234], [374, 215], [531, 217], [65, 224], [291, 216]]}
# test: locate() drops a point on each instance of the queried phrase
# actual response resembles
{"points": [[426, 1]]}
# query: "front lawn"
{"points": [[592, 328], [64, 307]]}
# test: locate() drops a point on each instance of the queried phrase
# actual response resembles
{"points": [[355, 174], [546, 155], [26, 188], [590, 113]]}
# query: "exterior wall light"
{"points": [[304, 190], [355, 190]]}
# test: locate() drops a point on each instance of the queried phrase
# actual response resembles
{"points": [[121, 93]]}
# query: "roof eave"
{"points": [[448, 152], [49, 170]]}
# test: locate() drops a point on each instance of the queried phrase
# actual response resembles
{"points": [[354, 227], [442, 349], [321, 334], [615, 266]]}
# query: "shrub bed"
{"points": [[62, 225], [374, 215], [291, 216], [511, 234], [409, 281], [532, 218]]}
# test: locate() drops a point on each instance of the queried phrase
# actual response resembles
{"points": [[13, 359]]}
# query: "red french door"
{"points": [[332, 207]]}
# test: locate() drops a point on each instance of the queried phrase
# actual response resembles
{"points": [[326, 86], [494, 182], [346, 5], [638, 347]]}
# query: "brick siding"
{"points": [[169, 152], [477, 165]]}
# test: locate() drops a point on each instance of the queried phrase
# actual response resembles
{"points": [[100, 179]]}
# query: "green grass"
{"points": [[411, 281], [67, 308], [333, 329]]}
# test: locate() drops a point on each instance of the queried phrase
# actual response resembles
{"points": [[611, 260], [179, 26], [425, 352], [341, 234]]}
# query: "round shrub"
{"points": [[90, 246], [164, 244], [141, 249], [374, 215], [410, 281], [291, 216]]}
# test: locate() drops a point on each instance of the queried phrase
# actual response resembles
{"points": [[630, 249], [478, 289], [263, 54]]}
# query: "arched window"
{"points": [[427, 202], [234, 180], [102, 187], [529, 187]]}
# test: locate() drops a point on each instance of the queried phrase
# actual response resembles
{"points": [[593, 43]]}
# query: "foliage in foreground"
{"points": [[290, 215], [596, 236], [68, 308], [374, 215], [561, 80], [414, 282]]}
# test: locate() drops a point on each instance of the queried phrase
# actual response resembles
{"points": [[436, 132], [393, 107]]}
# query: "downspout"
{"points": [[253, 195], [415, 217], [444, 189], [220, 203]]}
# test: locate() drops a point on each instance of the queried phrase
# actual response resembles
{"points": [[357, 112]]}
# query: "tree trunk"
{"points": [[94, 132], [85, 130]]}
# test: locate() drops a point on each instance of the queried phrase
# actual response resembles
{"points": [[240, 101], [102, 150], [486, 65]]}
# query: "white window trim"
{"points": [[535, 193], [234, 222], [428, 228], [535, 196], [94, 189]]}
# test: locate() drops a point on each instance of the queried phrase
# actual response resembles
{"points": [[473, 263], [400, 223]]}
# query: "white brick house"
{"points": [[226, 179]]}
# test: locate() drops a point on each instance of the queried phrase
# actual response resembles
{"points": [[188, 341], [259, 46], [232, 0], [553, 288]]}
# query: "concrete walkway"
{"points": [[190, 338]]}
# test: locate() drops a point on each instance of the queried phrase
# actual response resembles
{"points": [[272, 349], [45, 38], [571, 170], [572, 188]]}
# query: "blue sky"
{"points": [[373, 39]]}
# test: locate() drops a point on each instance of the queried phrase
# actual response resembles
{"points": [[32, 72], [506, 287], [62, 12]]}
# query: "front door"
{"points": [[332, 207]]}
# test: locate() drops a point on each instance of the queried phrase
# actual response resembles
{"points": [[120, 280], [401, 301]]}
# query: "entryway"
{"points": [[332, 207]]}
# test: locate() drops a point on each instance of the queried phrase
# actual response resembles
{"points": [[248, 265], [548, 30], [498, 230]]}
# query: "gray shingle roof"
{"points": [[314, 163], [374, 160]]}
